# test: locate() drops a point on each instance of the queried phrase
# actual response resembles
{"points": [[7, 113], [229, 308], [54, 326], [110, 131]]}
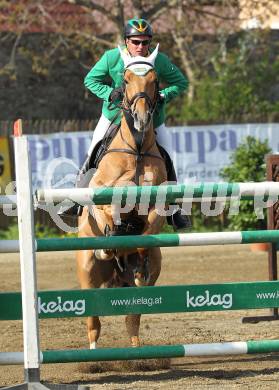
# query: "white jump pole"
{"points": [[27, 257]]}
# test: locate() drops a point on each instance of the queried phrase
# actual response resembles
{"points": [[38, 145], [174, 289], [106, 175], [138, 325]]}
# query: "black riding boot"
{"points": [[177, 220]]}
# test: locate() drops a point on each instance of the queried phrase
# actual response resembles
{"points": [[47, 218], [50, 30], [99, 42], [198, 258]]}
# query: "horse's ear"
{"points": [[151, 59], [125, 56]]}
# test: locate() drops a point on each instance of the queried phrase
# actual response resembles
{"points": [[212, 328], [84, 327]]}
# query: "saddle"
{"points": [[102, 146]]}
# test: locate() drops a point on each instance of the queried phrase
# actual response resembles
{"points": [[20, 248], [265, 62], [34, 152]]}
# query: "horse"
{"points": [[133, 158]]}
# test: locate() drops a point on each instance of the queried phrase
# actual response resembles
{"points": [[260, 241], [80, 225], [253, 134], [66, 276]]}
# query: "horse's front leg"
{"points": [[154, 269], [91, 274]]}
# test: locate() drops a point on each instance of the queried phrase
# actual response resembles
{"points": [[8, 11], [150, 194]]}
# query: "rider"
{"points": [[137, 35]]}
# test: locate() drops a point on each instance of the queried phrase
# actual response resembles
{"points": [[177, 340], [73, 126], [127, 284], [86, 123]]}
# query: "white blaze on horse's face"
{"points": [[140, 79]]}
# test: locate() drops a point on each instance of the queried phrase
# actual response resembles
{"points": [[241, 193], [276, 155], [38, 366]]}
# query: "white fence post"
{"points": [[27, 257]]}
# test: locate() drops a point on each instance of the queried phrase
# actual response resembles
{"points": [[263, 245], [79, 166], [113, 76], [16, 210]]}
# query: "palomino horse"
{"points": [[132, 157]]}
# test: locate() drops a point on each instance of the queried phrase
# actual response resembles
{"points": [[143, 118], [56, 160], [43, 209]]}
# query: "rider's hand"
{"points": [[116, 95], [161, 97]]}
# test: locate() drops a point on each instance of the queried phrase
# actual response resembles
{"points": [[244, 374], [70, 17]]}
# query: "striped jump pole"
{"points": [[148, 352], [148, 241], [158, 194]]}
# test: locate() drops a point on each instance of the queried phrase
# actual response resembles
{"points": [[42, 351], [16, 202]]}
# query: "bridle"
{"points": [[140, 95], [128, 112]]}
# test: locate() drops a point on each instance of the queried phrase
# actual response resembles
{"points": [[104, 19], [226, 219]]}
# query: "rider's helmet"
{"points": [[135, 27]]}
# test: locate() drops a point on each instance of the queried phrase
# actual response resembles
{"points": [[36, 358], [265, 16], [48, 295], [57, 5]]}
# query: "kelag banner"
{"points": [[198, 152], [146, 300]]}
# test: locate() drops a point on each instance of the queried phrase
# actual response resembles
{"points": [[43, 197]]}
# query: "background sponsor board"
{"points": [[56, 158], [198, 152]]}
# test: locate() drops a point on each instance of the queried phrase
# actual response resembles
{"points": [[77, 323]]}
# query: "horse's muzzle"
{"points": [[141, 123]]}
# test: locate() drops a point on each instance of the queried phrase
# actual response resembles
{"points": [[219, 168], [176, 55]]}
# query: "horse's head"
{"points": [[141, 88]]}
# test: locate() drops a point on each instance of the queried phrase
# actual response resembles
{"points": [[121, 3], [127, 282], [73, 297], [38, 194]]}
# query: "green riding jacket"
{"points": [[111, 66]]}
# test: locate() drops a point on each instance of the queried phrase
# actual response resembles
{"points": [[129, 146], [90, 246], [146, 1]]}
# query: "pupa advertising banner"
{"points": [[198, 152], [56, 158]]}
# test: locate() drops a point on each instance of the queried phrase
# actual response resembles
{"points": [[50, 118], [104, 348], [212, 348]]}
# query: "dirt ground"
{"points": [[180, 266]]}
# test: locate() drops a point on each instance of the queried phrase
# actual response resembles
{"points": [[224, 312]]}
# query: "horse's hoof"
{"points": [[135, 342], [100, 254], [141, 282], [93, 345]]}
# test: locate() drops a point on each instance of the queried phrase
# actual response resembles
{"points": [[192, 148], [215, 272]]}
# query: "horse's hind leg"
{"points": [[91, 274], [132, 326], [93, 331]]}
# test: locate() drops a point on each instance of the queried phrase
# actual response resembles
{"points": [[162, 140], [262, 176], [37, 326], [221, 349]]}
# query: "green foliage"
{"points": [[203, 223], [200, 222], [247, 165], [166, 229], [41, 231], [11, 233], [247, 161], [239, 86]]}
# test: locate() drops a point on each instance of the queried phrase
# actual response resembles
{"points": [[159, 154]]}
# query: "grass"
{"points": [[41, 231]]}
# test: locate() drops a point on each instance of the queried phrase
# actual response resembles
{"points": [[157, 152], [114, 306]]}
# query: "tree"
{"points": [[215, 17], [186, 29], [103, 21], [247, 165]]}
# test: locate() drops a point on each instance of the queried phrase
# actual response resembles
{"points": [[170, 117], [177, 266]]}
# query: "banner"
{"points": [[198, 152], [56, 158], [5, 166]]}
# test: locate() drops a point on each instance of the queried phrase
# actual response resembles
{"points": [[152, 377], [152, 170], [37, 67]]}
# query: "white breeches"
{"points": [[99, 132], [103, 125]]}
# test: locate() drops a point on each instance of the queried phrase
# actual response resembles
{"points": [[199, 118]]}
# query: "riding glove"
{"points": [[116, 95], [161, 97]]}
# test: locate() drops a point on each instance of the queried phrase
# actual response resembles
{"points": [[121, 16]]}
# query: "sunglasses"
{"points": [[136, 42]]}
